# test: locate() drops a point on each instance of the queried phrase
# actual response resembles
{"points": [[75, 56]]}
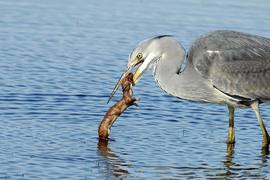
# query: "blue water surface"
{"points": [[60, 60]]}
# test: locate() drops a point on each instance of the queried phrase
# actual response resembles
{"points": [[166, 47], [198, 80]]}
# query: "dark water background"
{"points": [[59, 61]]}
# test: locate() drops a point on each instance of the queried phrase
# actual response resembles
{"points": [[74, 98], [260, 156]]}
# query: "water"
{"points": [[59, 61]]}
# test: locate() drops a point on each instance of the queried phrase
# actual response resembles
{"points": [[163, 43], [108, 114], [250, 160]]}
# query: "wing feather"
{"points": [[236, 63]]}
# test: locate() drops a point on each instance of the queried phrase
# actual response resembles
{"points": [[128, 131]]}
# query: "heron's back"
{"points": [[237, 64]]}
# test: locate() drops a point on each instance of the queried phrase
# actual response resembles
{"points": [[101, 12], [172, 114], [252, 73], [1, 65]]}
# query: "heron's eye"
{"points": [[139, 56]]}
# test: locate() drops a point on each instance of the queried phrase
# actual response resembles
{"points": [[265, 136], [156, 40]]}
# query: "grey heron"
{"points": [[222, 67]]}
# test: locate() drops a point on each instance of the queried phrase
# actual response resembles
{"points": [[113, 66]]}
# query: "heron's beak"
{"points": [[137, 75], [124, 75], [120, 81]]}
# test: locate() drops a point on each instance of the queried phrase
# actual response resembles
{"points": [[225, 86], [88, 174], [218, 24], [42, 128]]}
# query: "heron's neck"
{"points": [[168, 76]]}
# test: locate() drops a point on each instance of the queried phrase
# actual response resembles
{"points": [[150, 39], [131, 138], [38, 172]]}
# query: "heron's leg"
{"points": [[231, 136], [266, 138]]}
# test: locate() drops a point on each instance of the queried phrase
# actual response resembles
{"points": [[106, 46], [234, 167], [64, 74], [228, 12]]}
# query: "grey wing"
{"points": [[237, 64]]}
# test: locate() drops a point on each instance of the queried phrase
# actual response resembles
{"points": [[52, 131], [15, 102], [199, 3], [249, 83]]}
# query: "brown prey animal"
{"points": [[118, 108]]}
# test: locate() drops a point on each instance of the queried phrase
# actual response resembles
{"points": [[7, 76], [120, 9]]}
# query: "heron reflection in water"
{"points": [[222, 67]]}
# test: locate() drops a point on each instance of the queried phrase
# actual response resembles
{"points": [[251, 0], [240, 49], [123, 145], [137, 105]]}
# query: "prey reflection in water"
{"points": [[222, 67], [111, 164]]}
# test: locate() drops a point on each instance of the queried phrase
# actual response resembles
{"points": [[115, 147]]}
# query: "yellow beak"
{"points": [[137, 74]]}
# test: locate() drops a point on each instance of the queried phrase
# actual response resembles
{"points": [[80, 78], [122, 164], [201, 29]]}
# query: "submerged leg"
{"points": [[231, 136], [266, 138]]}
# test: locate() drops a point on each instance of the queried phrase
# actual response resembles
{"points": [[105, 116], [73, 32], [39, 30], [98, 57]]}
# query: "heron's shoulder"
{"points": [[232, 45], [227, 39], [228, 34]]}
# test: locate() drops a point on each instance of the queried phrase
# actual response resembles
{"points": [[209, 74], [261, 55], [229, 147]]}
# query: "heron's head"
{"points": [[145, 55]]}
